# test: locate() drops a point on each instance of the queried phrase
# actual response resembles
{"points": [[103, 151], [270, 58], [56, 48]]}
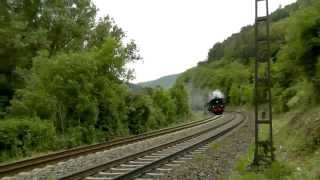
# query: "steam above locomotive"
{"points": [[216, 102]]}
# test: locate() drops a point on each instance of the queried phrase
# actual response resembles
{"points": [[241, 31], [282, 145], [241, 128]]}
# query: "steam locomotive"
{"points": [[216, 102]]}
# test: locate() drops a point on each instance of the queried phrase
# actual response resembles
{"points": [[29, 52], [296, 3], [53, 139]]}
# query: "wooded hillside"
{"points": [[295, 47], [165, 82]]}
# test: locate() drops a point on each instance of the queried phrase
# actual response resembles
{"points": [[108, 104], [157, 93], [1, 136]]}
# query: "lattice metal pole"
{"points": [[264, 151]]}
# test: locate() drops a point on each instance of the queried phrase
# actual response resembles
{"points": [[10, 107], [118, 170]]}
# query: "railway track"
{"points": [[41, 161], [153, 162]]}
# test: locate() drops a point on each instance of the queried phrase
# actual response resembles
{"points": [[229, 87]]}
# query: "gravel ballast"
{"points": [[63, 169], [219, 159]]}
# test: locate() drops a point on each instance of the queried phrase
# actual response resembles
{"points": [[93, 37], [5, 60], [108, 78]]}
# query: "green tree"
{"points": [[216, 52], [165, 104], [180, 97], [141, 113], [28, 27], [77, 88]]}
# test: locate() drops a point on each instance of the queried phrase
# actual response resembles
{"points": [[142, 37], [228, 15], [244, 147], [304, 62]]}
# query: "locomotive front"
{"points": [[216, 102]]}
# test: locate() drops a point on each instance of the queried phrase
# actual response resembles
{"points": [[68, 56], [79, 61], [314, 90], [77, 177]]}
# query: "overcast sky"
{"points": [[174, 35]]}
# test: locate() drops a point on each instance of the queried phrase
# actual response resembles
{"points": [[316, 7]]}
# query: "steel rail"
{"points": [[117, 162], [41, 161], [141, 170]]}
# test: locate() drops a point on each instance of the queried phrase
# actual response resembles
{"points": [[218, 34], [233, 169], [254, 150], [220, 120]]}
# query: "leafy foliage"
{"points": [[19, 137], [180, 96], [69, 79], [30, 26], [296, 71], [295, 43]]}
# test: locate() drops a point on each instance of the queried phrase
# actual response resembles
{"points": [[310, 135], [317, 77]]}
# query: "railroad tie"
{"points": [[196, 152], [122, 169], [153, 156], [110, 173], [179, 161], [185, 158], [98, 178], [160, 154], [189, 155], [200, 150], [139, 162], [164, 169], [146, 159], [155, 174], [203, 148], [131, 165], [173, 165]]}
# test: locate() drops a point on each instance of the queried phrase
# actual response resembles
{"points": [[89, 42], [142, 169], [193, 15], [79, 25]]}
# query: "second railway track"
{"points": [[37, 162], [137, 165]]}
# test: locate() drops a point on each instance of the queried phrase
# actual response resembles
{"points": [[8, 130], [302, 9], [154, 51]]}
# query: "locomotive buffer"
{"points": [[264, 151]]}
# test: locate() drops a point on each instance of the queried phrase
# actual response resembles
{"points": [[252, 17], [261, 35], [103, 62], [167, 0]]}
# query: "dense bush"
{"points": [[157, 108], [167, 105], [180, 97], [141, 113], [20, 137]]}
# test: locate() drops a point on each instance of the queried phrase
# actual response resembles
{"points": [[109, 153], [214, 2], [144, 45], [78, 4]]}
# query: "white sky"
{"points": [[174, 35]]}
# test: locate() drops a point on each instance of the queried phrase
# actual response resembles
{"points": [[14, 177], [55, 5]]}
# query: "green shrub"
{"points": [[21, 137], [165, 106], [77, 136], [179, 95], [141, 113]]}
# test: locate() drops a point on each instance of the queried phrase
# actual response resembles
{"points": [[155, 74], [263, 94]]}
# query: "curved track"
{"points": [[41, 161], [137, 165]]}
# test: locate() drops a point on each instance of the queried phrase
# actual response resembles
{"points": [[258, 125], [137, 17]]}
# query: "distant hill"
{"points": [[166, 82], [135, 88]]}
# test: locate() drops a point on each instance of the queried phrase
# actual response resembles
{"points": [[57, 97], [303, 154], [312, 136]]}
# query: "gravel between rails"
{"points": [[219, 159], [72, 166], [168, 153]]}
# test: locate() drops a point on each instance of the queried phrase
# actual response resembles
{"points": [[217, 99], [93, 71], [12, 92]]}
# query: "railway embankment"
{"points": [[297, 149]]}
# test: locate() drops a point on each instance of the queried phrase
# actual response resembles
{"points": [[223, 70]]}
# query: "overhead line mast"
{"points": [[264, 150]]}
